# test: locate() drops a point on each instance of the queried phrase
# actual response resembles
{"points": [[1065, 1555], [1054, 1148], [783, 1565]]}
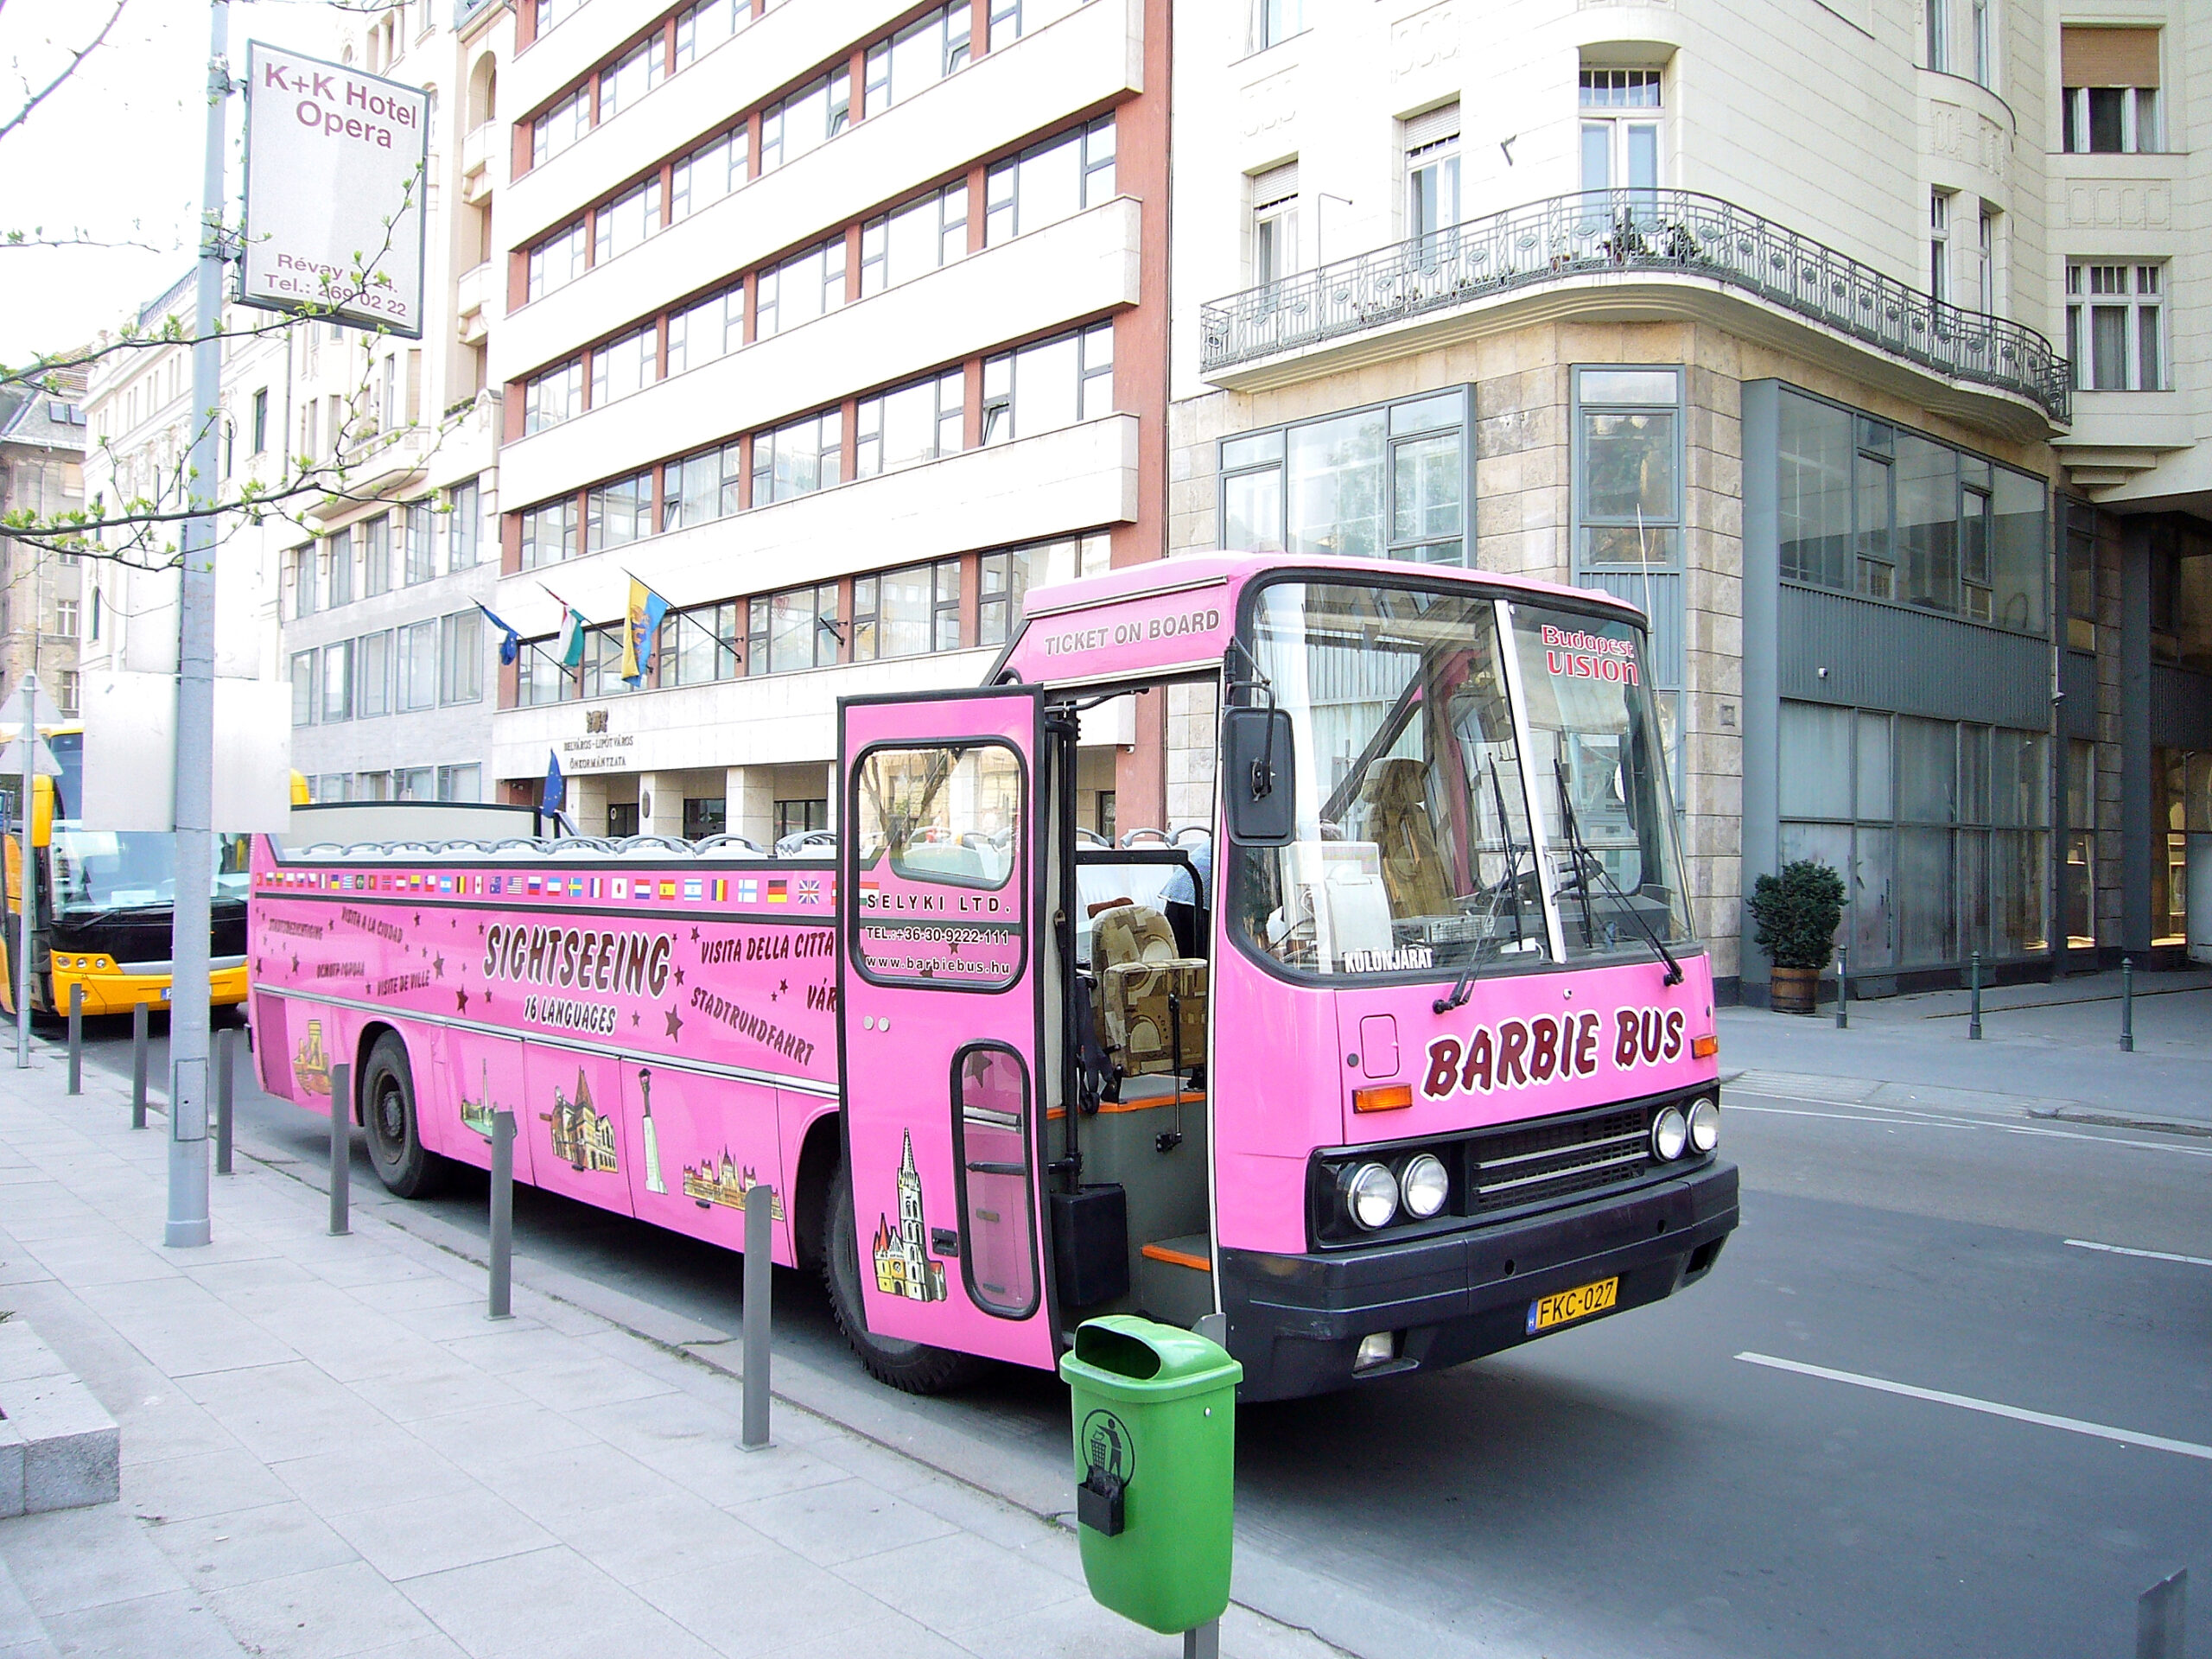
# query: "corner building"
{"points": [[839, 325], [1821, 333]]}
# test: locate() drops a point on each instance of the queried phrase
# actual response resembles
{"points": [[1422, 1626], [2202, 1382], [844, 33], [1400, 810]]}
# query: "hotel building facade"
{"points": [[839, 326]]}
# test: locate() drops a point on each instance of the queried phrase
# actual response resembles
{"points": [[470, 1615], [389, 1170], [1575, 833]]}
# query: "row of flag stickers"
{"points": [[622, 889]]}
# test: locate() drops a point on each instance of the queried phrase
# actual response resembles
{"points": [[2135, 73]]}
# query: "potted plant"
{"points": [[1796, 914]]}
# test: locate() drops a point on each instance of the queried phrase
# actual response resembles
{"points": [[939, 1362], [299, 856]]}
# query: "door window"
{"points": [[940, 865], [990, 1132]]}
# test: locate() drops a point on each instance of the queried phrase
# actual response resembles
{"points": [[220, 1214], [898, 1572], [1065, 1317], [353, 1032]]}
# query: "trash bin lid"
{"points": [[1124, 1357]]}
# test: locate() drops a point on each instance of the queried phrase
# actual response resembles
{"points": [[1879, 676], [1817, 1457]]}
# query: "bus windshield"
{"points": [[1481, 784], [105, 870]]}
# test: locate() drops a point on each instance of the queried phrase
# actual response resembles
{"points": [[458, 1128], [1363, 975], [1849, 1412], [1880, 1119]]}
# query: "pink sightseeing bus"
{"points": [[1420, 1066]]}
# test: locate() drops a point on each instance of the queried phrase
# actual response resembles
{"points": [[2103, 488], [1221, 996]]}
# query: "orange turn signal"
{"points": [[1704, 1048], [1386, 1097]]}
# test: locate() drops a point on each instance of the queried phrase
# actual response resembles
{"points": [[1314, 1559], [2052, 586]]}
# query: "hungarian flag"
{"points": [[569, 649]]}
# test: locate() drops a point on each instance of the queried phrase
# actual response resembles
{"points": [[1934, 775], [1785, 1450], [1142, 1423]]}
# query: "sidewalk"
{"points": [[329, 1451], [2048, 1051]]}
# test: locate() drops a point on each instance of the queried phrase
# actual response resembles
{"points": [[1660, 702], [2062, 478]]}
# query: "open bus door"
{"points": [[941, 1016]]}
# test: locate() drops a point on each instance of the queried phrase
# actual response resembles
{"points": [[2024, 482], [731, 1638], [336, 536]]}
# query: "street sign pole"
{"points": [[189, 987], [28, 757]]}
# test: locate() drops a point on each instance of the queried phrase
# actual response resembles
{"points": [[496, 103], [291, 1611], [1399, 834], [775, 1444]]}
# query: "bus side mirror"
{"points": [[1259, 786]]}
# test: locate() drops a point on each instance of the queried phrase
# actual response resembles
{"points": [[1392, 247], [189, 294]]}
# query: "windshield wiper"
{"points": [[1464, 987], [1587, 861]]}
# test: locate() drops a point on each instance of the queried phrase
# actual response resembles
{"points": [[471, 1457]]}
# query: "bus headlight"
{"points": [[1705, 1126], [1370, 1195], [1670, 1132], [1424, 1186]]}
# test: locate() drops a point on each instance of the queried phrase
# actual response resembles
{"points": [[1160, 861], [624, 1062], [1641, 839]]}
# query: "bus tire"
{"points": [[912, 1366], [402, 1163]]}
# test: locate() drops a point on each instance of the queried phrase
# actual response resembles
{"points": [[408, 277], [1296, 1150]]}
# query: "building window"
{"points": [[261, 420], [418, 666], [2181, 596], [461, 657], [337, 680], [618, 512], [1005, 578], [1012, 19], [70, 693], [700, 488], [918, 56], [548, 533], [1939, 35], [800, 817], [1432, 147], [1274, 224], [703, 28], [2078, 880], [1985, 65], [1869, 508], [2115, 329], [1052, 384], [1049, 182], [626, 364], [700, 645], [1986, 258], [464, 783], [304, 562], [65, 618], [338, 568], [540, 678], [704, 816], [1939, 246], [627, 221], [806, 120], [556, 262], [413, 784], [1388, 481], [303, 688], [791, 631], [373, 675], [803, 288], [1940, 828], [799, 458], [422, 561], [909, 612], [376, 556], [1628, 473], [553, 396], [909, 424], [560, 126], [2111, 96], [464, 526], [707, 174], [912, 241], [1275, 21], [2080, 580], [707, 329], [630, 77], [1621, 115]]}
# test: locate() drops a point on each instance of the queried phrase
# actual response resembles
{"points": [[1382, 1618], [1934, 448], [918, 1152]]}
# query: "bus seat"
{"points": [[1395, 797], [1133, 954]]}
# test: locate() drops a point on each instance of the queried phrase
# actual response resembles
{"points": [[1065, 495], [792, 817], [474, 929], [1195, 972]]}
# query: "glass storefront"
{"points": [[1940, 828]]}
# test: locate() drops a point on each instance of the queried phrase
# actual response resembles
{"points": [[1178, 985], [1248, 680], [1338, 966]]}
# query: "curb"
{"points": [[2116, 1121]]}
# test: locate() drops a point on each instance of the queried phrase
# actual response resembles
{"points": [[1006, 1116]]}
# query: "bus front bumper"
{"points": [[1296, 1322], [117, 990]]}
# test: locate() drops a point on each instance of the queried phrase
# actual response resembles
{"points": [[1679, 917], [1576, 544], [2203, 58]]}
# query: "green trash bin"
{"points": [[1155, 1409]]}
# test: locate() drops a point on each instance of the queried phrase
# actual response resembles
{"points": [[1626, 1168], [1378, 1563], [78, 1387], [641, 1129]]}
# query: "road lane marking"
{"points": [[1897, 1115], [1966, 1401], [2148, 1256]]}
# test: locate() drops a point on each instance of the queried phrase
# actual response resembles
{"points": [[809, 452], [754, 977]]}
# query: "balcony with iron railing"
{"points": [[1598, 238]]}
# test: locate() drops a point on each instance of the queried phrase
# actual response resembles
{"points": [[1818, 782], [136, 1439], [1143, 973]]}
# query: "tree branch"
{"points": [[67, 70]]}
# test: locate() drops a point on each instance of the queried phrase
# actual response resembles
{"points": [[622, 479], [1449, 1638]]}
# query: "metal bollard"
{"points": [[342, 1148], [77, 1038], [2127, 1004], [2160, 1611], [226, 1054], [759, 1208], [1205, 1642], [503, 1217], [1842, 988], [1973, 1021], [138, 1065]]}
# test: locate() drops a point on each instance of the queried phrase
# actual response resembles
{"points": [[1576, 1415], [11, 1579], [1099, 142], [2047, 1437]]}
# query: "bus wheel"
{"points": [[407, 1168], [913, 1366]]}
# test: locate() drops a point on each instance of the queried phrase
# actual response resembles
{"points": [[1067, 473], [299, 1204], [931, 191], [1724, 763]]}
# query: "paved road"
{"points": [[1640, 1487]]}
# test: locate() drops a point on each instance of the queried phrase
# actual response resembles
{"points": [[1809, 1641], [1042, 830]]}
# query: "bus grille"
{"points": [[1533, 1163]]}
